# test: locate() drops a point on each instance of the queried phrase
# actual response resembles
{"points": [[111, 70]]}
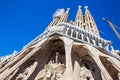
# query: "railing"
{"points": [[71, 31]]}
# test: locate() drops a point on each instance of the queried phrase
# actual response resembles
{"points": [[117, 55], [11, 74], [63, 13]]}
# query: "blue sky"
{"points": [[23, 20]]}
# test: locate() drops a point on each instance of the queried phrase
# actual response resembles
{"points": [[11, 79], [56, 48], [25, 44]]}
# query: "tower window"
{"points": [[87, 25], [84, 19], [84, 27], [89, 17], [81, 24], [92, 30], [90, 25], [78, 23]]}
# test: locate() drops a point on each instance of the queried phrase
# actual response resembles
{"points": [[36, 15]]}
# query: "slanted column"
{"points": [[112, 48], [104, 73], [88, 39], [31, 70], [7, 73], [67, 31], [71, 32], [94, 53], [94, 42], [100, 45], [76, 34], [68, 43], [82, 37], [107, 48]]}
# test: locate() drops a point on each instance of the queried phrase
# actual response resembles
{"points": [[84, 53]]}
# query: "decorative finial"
{"points": [[68, 10], [86, 7], [79, 7]]}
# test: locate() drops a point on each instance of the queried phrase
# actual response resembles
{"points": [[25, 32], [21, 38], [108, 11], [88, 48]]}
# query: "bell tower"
{"points": [[65, 51], [59, 16], [86, 22], [79, 18], [90, 23]]}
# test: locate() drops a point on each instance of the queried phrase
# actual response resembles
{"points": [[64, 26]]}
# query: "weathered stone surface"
{"points": [[65, 53]]}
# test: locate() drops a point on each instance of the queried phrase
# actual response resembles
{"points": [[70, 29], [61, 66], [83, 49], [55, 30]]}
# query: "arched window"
{"points": [[90, 25]]}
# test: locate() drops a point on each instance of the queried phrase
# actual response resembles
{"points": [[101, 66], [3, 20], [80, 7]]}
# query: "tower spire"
{"points": [[79, 18], [90, 23], [56, 17], [64, 18]]}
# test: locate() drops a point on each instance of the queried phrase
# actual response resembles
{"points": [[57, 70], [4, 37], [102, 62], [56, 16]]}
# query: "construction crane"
{"points": [[113, 27]]}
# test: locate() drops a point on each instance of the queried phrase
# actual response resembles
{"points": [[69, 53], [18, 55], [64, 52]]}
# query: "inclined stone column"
{"points": [[31, 70], [100, 45], [7, 73], [94, 42], [67, 31], [76, 34], [82, 37], [71, 32], [68, 47], [104, 72], [76, 70], [94, 53], [88, 39]]}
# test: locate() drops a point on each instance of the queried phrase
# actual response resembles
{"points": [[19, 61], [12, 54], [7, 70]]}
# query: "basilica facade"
{"points": [[66, 50]]}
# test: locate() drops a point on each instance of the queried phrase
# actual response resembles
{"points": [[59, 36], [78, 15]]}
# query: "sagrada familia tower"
{"points": [[66, 50]]}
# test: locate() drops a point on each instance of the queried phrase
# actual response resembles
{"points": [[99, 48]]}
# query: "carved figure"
{"points": [[85, 74], [53, 70]]}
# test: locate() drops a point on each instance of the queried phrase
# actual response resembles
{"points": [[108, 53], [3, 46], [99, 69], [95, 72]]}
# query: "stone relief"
{"points": [[85, 74], [26, 73], [53, 70]]}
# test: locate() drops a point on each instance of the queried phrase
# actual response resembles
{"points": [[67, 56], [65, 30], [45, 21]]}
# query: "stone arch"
{"points": [[42, 57], [110, 68], [82, 57], [52, 53], [90, 64], [24, 70]]}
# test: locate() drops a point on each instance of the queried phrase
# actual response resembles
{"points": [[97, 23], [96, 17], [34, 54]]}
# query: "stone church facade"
{"points": [[66, 50]]}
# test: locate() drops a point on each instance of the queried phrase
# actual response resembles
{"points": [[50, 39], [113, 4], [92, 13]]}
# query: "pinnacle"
{"points": [[68, 10], [79, 7], [86, 7]]}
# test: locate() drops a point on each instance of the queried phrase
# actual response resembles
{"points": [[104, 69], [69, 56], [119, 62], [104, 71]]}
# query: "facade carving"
{"points": [[66, 50]]}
